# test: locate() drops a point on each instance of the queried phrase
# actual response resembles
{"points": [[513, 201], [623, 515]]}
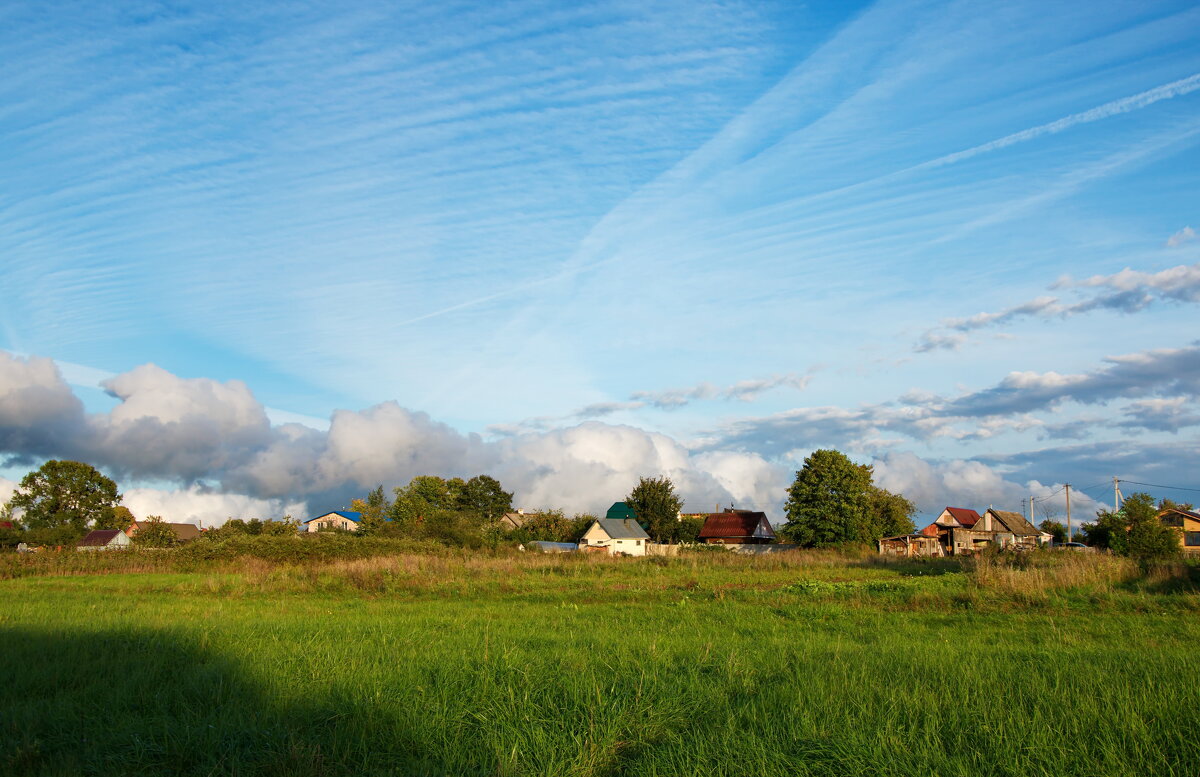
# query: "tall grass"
{"points": [[460, 664]]}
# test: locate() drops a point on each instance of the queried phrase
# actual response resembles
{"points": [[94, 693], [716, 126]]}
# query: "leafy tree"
{"points": [[374, 510], [1057, 532], [1134, 530], [888, 514], [657, 507], [483, 496], [551, 526], [827, 502], [62, 494], [154, 533], [688, 530], [833, 502], [121, 519]]}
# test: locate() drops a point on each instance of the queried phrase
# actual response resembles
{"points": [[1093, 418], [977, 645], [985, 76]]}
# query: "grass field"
{"points": [[797, 664]]}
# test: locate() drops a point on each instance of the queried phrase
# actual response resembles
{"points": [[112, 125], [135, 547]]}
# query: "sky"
{"points": [[259, 258]]}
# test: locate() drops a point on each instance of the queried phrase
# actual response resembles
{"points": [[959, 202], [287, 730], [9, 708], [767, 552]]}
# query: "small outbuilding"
{"points": [[104, 539], [737, 527], [615, 536], [344, 520], [911, 546]]}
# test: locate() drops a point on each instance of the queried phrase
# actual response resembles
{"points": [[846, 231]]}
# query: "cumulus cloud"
{"points": [[214, 439], [1185, 235], [933, 485], [205, 507], [1127, 291]]}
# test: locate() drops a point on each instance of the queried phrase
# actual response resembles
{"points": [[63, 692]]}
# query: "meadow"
{"points": [[459, 663]]}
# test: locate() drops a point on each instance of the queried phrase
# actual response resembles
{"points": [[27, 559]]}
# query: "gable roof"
{"points": [[183, 531], [98, 538], [1013, 522], [963, 515], [627, 529], [356, 517], [736, 523], [620, 511]]}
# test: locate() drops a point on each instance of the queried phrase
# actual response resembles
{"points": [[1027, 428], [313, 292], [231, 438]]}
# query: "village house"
{"points": [[344, 520], [615, 536], [514, 520], [962, 531], [1186, 525], [104, 539], [184, 532], [737, 527]]}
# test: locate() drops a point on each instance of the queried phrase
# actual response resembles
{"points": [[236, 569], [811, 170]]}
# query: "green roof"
{"points": [[620, 512]]}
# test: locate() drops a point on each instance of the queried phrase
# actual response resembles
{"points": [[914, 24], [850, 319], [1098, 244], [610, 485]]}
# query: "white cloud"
{"points": [[204, 507], [1185, 235]]}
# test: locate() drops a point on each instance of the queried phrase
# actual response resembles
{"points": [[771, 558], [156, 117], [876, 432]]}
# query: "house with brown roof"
{"points": [[962, 531], [1185, 524], [104, 539], [184, 532], [737, 527]]}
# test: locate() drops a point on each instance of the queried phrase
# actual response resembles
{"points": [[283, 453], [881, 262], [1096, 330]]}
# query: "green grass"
{"points": [[460, 665]]}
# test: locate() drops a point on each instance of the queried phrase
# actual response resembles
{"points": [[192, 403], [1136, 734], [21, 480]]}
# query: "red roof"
{"points": [[963, 515], [6, 524], [737, 523]]}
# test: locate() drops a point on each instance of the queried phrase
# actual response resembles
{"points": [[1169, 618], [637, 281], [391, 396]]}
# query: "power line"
{"points": [[1155, 485]]}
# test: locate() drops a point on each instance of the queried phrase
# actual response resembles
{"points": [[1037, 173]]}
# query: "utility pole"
{"points": [[1116, 494], [1067, 486]]}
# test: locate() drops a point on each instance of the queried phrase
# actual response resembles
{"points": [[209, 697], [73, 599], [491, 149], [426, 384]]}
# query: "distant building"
{"points": [[515, 520], [961, 531], [1186, 525], [737, 527], [104, 539], [615, 536], [184, 532], [338, 519]]}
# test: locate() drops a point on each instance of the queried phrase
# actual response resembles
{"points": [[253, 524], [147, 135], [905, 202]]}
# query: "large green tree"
{"points": [[834, 502], [1134, 530], [657, 507], [484, 497], [66, 494], [374, 511], [155, 533]]}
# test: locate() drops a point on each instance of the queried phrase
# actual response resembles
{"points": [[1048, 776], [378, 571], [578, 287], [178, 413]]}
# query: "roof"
{"points": [[627, 529], [356, 517], [1014, 522], [735, 523], [1195, 516], [98, 538], [963, 515], [183, 531], [620, 512]]}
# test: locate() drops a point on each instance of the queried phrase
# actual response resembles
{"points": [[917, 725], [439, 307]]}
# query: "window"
{"points": [[1173, 519], [1191, 539]]}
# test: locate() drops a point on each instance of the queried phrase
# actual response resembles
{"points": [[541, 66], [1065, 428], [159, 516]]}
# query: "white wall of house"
{"points": [[596, 537], [331, 521]]}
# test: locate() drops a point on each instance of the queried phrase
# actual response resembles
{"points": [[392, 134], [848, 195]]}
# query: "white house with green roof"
{"points": [[616, 536]]}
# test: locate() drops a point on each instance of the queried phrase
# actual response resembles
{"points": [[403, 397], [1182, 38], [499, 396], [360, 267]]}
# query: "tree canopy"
{"points": [[833, 501], [66, 494], [1134, 530], [657, 507]]}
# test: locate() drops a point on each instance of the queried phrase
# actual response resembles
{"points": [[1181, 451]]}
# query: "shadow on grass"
{"points": [[911, 566], [137, 703]]}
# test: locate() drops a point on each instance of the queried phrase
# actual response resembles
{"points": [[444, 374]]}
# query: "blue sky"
{"points": [[588, 243]]}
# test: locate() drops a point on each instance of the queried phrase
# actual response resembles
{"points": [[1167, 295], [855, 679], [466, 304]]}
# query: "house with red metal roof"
{"points": [[737, 527]]}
